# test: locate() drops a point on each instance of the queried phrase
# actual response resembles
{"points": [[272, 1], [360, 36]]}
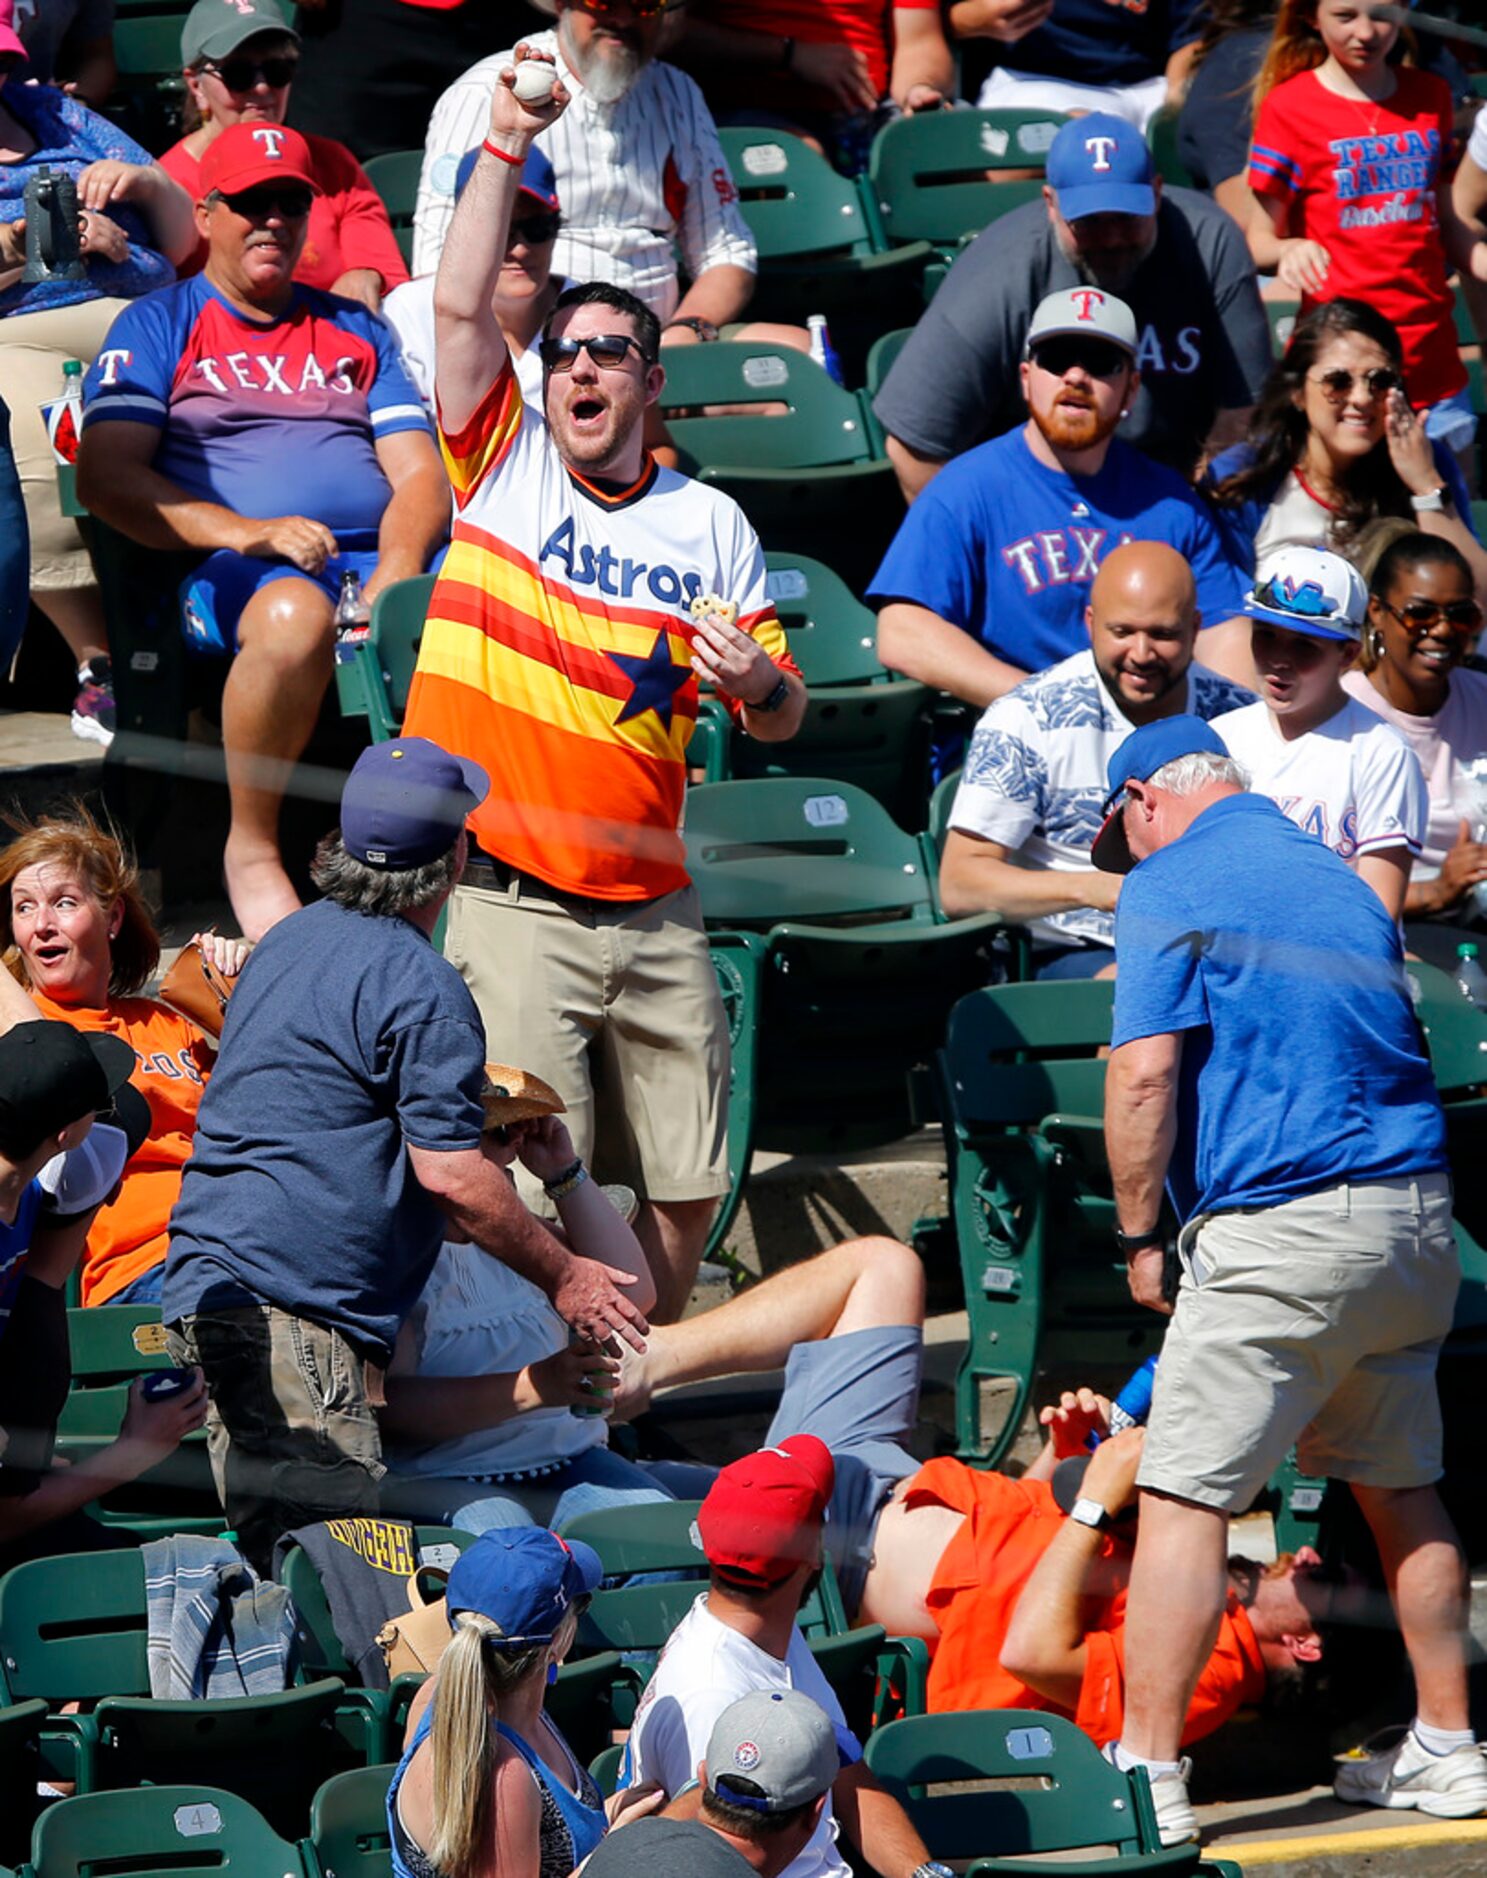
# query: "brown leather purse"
{"points": [[194, 987], [414, 1642]]}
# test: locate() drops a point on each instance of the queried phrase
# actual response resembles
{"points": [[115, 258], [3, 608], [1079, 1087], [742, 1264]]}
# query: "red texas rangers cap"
{"points": [[762, 1516], [246, 154]]}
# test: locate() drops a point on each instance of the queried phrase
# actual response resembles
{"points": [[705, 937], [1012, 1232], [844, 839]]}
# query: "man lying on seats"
{"points": [[271, 427], [479, 1396]]}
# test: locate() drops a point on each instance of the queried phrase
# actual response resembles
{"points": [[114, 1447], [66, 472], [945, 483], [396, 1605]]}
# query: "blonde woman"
{"points": [[488, 1787]]}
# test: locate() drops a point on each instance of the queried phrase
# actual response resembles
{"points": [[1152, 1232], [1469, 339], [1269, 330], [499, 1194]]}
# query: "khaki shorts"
{"points": [[1318, 1322], [290, 1429], [616, 1004]]}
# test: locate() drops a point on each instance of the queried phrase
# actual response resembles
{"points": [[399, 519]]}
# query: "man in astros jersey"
{"points": [[586, 592]]}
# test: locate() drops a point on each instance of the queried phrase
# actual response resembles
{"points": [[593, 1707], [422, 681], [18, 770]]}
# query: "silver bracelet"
{"points": [[569, 1181], [1432, 503]]}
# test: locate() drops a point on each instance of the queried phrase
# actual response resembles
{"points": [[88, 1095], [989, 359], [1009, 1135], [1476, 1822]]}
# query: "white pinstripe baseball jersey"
{"points": [[632, 177]]}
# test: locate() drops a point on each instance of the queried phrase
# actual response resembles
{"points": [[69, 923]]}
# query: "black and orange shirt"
{"points": [[558, 646]]}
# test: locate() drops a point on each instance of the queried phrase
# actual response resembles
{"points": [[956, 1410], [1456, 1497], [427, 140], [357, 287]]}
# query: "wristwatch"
{"points": [[931, 1868], [1432, 502], [704, 329], [775, 699], [1128, 1242], [1090, 1513]]}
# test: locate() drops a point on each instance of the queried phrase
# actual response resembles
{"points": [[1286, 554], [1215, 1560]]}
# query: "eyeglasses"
{"points": [[534, 230], [609, 351], [1338, 384], [1095, 356], [243, 74], [268, 199], [1423, 616], [642, 9]]}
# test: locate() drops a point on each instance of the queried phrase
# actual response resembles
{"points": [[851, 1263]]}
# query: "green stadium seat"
{"points": [[185, 1831], [395, 178], [1161, 134], [73, 1629], [880, 360], [149, 95], [820, 247], [933, 174], [349, 1836], [20, 1770], [373, 683], [605, 1768], [1023, 1791], [1282, 315], [738, 961], [804, 463]]}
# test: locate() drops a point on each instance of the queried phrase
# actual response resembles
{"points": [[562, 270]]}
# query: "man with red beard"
{"points": [[989, 576]]}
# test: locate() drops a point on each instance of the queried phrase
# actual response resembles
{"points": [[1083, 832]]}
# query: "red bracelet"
{"points": [[516, 162]]}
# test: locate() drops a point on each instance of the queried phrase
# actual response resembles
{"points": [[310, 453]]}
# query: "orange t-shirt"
{"points": [[129, 1237], [1009, 1525]]}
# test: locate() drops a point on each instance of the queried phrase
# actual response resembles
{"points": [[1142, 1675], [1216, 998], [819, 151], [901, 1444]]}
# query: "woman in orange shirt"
{"points": [[80, 939]]}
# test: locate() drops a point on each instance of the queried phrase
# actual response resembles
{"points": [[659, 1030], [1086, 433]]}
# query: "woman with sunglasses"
{"points": [[239, 66], [1423, 619], [1332, 446]]}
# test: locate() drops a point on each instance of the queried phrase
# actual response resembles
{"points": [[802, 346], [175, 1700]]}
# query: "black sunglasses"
{"points": [[1094, 356], [609, 351], [1337, 384], [535, 229], [242, 74], [293, 204]]}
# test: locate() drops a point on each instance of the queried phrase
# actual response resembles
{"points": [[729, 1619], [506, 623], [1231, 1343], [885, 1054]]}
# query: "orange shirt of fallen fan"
{"points": [[1009, 1525], [128, 1237]]}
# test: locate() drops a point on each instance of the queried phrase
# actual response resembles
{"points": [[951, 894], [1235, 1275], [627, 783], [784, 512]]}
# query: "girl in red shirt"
{"points": [[1346, 167]]}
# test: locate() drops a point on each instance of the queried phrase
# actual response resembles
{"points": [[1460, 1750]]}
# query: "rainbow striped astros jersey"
{"points": [[557, 650]]}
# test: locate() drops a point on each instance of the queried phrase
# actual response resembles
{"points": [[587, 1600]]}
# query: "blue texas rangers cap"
{"points": [[538, 177], [1308, 590], [1101, 165], [1138, 759], [524, 1579], [405, 802]]}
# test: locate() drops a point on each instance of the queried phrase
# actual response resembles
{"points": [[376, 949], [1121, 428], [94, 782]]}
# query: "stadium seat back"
{"points": [[880, 359], [1161, 134], [1014, 1783], [320, 1649], [821, 425], [941, 803], [801, 848], [72, 1628], [832, 636], [186, 1831], [794, 202], [114, 1342], [149, 95], [933, 174], [394, 176], [655, 1536], [20, 1770], [374, 682], [349, 1834]]}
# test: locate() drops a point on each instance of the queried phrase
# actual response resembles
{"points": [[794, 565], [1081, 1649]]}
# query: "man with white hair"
{"points": [[1267, 1070], [639, 168]]}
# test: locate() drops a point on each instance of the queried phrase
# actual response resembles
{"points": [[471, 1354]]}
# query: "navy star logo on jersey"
{"points": [[655, 679]]}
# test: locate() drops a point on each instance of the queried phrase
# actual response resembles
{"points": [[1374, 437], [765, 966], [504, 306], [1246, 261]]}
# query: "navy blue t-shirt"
{"points": [[1095, 43], [347, 1038], [1302, 1064], [1007, 549]]}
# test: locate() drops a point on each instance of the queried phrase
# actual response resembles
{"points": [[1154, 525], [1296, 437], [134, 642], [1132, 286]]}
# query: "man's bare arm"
{"points": [[914, 471], [876, 1823], [921, 645], [978, 876], [1140, 1133]]}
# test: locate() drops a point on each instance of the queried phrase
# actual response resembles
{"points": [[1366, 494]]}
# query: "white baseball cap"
{"points": [[1308, 590], [1084, 311]]}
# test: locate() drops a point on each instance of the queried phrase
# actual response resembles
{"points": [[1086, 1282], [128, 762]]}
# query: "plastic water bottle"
{"points": [[353, 617], [64, 419], [1471, 980], [822, 350], [1132, 1406]]}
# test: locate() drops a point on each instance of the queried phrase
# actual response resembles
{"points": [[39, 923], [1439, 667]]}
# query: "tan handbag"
{"points": [[412, 1645], [194, 987]]}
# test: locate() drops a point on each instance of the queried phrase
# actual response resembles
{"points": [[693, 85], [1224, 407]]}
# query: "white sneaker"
{"points": [[1447, 1786], [1177, 1823]]}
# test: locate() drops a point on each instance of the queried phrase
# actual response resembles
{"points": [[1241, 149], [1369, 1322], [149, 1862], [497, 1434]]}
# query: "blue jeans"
{"points": [[142, 1290], [592, 1481]]}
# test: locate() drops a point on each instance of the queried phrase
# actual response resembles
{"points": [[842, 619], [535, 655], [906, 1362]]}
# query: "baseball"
{"points": [[534, 81]]}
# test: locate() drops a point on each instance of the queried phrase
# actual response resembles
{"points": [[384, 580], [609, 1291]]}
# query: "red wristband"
{"points": [[516, 162]]}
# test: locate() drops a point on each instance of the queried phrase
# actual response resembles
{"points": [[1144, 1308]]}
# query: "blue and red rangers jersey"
{"points": [[276, 418]]}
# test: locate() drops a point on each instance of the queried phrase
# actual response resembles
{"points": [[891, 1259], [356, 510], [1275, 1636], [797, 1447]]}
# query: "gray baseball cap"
{"points": [[1086, 311], [777, 1741], [214, 29]]}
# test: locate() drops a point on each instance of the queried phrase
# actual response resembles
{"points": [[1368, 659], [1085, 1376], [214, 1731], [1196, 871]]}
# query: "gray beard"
{"points": [[606, 80]]}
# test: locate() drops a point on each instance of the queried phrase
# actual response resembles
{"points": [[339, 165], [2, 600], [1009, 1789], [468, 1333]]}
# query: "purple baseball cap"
{"points": [[405, 802], [524, 1579], [1101, 165]]}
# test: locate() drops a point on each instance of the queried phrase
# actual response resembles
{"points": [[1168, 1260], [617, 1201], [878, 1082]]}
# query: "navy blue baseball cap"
{"points": [[524, 1579], [406, 801], [538, 178], [1101, 165], [1138, 759]]}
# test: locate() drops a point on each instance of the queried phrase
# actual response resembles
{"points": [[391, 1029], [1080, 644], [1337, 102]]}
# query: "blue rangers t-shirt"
{"points": [[1302, 1065], [277, 416], [1007, 549]]}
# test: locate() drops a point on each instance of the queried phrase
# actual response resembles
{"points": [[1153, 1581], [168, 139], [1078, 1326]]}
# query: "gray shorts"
{"points": [[1318, 1322], [860, 1395]]}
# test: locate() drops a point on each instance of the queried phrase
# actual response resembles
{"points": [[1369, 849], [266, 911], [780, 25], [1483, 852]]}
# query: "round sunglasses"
{"points": [[1337, 385]]}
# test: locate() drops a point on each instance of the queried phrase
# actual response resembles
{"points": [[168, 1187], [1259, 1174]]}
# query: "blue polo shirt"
{"points": [[1302, 1064]]}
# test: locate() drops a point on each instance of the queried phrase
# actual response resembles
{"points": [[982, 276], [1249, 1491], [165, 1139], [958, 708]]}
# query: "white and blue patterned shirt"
{"points": [[1034, 776]]}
